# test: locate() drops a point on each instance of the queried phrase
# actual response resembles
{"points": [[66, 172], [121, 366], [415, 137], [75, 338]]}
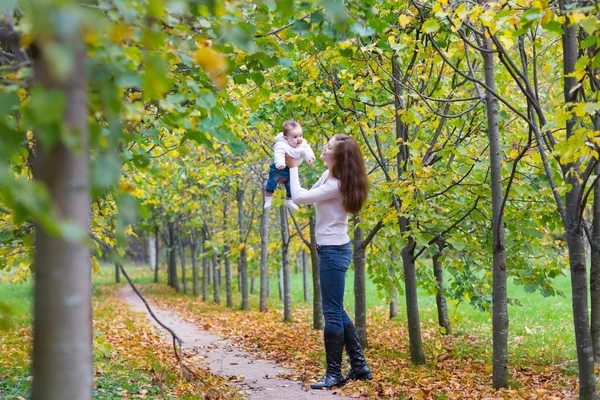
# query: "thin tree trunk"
{"points": [[156, 252], [173, 256], [285, 265], [499, 295], [595, 270], [393, 290], [205, 267], [575, 241], [226, 249], [62, 323], [417, 355], [216, 286], [243, 258], [252, 283], [412, 306], [318, 321], [360, 298], [117, 274], [280, 282], [305, 280], [193, 247], [440, 297], [182, 257], [264, 254]]}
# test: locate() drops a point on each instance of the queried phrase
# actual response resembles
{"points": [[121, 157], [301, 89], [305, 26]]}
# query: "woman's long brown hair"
{"points": [[349, 167]]}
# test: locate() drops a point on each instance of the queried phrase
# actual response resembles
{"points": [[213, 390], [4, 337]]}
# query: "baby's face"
{"points": [[294, 137]]}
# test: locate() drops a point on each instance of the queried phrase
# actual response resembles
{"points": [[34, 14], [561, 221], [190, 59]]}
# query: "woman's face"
{"points": [[327, 154]]}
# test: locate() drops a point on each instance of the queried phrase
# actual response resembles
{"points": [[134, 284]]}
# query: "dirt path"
{"points": [[260, 379]]}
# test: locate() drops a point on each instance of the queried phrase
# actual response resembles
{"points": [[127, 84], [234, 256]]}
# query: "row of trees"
{"points": [[479, 122]]}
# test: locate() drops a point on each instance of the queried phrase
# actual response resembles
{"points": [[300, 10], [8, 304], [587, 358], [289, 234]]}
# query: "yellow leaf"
{"points": [[507, 41], [213, 63], [391, 40], [404, 20], [575, 17], [579, 74]]}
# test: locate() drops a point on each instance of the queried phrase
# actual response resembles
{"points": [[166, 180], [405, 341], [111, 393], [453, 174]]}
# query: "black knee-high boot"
{"points": [[358, 364], [334, 347]]}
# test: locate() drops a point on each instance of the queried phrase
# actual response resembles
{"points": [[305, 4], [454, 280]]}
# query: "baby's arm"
{"points": [[309, 156], [279, 156]]}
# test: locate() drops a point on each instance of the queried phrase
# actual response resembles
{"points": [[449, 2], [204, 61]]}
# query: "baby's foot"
{"points": [[290, 204], [268, 201]]}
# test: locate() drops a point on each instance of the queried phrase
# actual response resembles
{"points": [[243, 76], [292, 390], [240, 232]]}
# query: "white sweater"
{"points": [[332, 218], [282, 147]]}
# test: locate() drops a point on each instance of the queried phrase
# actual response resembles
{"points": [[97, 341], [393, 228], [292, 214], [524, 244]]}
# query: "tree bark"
{"points": [[305, 280], [62, 323], [499, 295], [243, 258], [393, 290], [360, 299], [173, 256], [318, 321], [595, 270], [574, 232], [181, 244], [226, 250], [412, 306], [193, 248], [205, 266], [156, 252], [285, 265], [117, 274], [440, 297], [264, 254]]}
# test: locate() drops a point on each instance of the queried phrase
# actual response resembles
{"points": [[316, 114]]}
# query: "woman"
{"points": [[342, 189]]}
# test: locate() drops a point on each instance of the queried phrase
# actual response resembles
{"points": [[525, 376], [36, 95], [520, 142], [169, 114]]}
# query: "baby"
{"points": [[288, 142]]}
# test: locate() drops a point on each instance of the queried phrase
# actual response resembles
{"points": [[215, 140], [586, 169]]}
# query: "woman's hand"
{"points": [[292, 162]]}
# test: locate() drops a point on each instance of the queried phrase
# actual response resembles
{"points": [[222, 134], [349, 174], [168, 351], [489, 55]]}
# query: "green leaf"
{"points": [[236, 147], [590, 24], [553, 26], [361, 29], [430, 26], [8, 102], [106, 169], [156, 78]]}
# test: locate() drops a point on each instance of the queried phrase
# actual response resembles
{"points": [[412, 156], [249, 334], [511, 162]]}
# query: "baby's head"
{"points": [[292, 132]]}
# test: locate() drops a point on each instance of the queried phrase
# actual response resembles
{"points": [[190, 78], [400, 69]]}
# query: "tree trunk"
{"points": [[117, 274], [193, 247], [306, 283], [252, 283], [285, 265], [412, 306], [499, 296], [595, 270], [360, 298], [62, 323], [243, 259], [216, 286], [280, 282], [156, 252], [393, 290], [226, 249], [440, 297], [264, 254], [417, 355], [181, 244], [318, 321], [173, 256], [575, 242], [205, 267]]}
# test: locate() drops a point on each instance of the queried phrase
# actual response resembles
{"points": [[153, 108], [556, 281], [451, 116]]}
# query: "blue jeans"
{"points": [[334, 261], [274, 176]]}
